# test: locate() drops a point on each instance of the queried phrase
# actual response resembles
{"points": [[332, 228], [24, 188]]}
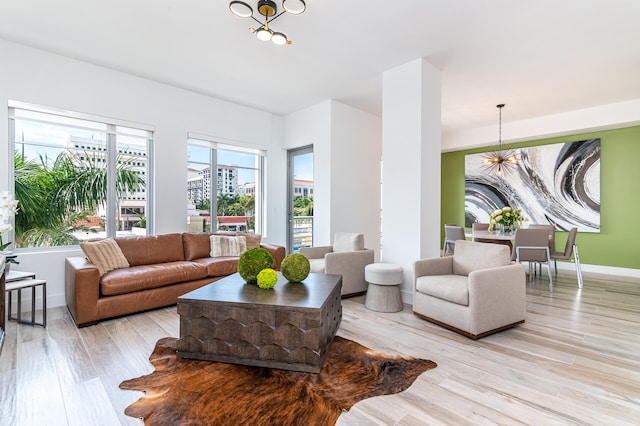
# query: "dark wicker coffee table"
{"points": [[288, 327]]}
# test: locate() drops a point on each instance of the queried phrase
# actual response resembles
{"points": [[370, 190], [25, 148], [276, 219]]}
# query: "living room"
{"points": [[348, 143]]}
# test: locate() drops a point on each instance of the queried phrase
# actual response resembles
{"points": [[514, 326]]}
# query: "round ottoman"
{"points": [[383, 293]]}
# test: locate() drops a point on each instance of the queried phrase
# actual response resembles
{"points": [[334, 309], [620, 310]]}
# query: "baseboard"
{"points": [[601, 269]]}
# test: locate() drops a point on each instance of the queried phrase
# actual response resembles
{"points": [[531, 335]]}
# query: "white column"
{"points": [[411, 141]]}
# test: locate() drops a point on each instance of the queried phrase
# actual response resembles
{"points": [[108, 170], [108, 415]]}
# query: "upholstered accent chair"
{"points": [[475, 292], [347, 257]]}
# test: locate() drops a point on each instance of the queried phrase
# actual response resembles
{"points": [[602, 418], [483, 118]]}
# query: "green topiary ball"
{"points": [[267, 278], [295, 267], [253, 261]]}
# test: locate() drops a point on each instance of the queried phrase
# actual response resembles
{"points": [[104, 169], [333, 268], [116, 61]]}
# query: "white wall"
{"points": [[346, 168], [603, 117], [312, 126], [356, 152], [41, 78]]}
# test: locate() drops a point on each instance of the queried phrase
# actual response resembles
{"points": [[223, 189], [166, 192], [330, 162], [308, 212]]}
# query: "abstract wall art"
{"points": [[557, 184]]}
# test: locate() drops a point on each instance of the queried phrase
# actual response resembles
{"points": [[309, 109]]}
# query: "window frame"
{"points": [[112, 128], [214, 145]]}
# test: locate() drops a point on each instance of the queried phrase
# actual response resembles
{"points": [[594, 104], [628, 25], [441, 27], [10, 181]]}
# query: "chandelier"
{"points": [[500, 160], [269, 10]]}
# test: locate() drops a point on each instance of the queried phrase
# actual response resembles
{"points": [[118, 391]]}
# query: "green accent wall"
{"points": [[618, 242]]}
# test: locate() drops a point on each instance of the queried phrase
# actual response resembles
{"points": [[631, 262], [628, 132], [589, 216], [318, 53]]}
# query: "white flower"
{"points": [[5, 227], [8, 206]]}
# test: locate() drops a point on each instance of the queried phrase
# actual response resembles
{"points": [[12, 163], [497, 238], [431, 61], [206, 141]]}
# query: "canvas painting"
{"points": [[557, 184]]}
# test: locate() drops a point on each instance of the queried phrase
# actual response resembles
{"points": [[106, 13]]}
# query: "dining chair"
{"points": [[552, 234], [532, 245], [552, 237], [570, 249], [480, 227], [452, 233]]}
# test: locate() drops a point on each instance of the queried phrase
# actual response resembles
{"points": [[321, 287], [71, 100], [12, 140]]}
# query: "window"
{"points": [[238, 204], [76, 176]]}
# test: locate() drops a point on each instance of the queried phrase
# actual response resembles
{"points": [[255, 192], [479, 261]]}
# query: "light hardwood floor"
{"points": [[576, 360]]}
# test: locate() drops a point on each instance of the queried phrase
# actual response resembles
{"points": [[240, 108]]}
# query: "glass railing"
{"points": [[302, 232]]}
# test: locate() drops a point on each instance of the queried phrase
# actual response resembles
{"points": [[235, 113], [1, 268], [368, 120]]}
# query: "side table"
{"points": [[18, 280], [383, 293]]}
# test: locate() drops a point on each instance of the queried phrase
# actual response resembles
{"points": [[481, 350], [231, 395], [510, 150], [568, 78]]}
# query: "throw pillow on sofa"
{"points": [[224, 246], [105, 254], [253, 240]]}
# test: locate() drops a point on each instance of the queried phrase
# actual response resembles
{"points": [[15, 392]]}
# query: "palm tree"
{"points": [[55, 198], [224, 201], [203, 204], [303, 206], [235, 210], [248, 203]]}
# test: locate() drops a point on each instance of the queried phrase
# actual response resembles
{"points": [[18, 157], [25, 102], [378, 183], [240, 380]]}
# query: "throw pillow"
{"points": [[347, 241], [223, 246], [105, 254], [253, 240]]}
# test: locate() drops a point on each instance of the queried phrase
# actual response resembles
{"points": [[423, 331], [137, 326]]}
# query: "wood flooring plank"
{"points": [[37, 392], [87, 403], [8, 400], [113, 366], [168, 319]]}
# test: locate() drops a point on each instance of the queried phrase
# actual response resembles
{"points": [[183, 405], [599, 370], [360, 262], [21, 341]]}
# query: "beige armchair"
{"points": [[347, 257], [475, 292]]}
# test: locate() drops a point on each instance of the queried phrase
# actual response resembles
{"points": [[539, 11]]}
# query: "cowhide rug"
{"points": [[193, 392]]}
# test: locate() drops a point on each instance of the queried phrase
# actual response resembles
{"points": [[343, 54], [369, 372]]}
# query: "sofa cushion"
{"points": [[196, 245], [316, 265], [469, 256], [452, 288], [253, 240], [347, 241], [143, 277], [105, 254], [153, 249], [226, 246], [219, 266]]}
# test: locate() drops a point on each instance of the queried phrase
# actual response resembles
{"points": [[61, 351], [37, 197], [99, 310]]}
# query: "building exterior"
{"points": [[132, 205], [199, 185], [303, 188]]}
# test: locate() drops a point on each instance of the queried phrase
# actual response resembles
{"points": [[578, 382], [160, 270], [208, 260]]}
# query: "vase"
{"points": [[506, 229]]}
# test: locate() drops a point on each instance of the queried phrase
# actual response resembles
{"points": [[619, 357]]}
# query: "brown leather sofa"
{"points": [[161, 268]]}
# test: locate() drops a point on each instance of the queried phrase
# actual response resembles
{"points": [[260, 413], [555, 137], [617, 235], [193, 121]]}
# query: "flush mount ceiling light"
{"points": [[269, 10], [500, 160]]}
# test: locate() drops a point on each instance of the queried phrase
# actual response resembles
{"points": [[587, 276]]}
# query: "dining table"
{"points": [[496, 237]]}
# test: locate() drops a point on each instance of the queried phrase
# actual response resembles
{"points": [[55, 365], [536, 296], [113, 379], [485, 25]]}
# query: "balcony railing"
{"points": [[302, 232]]}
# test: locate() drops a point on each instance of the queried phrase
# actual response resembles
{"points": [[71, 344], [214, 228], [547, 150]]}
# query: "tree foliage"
{"points": [[303, 206], [55, 196]]}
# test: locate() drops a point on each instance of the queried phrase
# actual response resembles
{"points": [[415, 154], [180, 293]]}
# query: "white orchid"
{"points": [[8, 209]]}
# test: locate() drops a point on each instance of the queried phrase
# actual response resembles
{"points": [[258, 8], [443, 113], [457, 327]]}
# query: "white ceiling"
{"points": [[539, 57]]}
